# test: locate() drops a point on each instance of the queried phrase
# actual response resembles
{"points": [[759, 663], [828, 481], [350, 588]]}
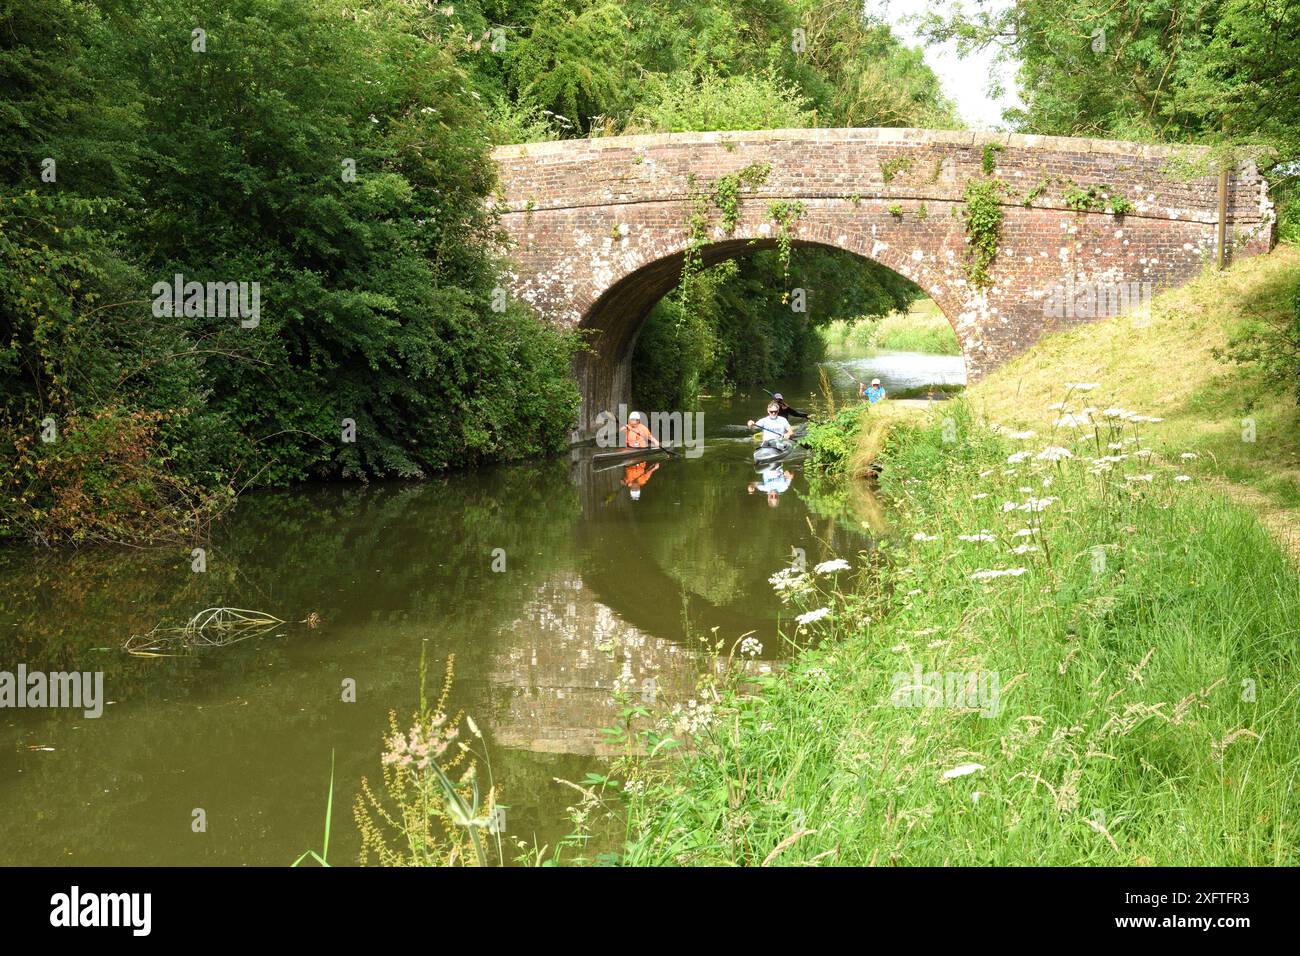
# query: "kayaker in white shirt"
{"points": [[773, 426]]}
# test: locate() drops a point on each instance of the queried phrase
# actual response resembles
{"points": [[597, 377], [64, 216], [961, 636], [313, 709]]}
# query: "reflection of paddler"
{"points": [[775, 481], [635, 476]]}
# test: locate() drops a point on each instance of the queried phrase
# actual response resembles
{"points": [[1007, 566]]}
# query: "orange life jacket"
{"points": [[636, 435]]}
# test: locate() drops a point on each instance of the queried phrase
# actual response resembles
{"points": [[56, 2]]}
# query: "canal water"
{"points": [[550, 583]]}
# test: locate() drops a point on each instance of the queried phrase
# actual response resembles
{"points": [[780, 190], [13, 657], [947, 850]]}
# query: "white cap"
{"points": [[634, 417], [875, 381], [636, 493]]}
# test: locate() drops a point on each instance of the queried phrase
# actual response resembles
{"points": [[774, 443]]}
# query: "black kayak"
{"points": [[626, 454], [772, 451]]}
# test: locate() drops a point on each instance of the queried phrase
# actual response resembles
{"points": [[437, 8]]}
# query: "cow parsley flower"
{"points": [[1072, 421], [1054, 453], [988, 574], [811, 616], [837, 564]]}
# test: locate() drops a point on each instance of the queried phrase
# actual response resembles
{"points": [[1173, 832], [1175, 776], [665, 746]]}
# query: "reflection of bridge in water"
{"points": [[568, 655]]}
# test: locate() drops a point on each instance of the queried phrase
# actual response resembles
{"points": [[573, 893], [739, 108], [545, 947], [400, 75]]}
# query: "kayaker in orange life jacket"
{"points": [[636, 435]]}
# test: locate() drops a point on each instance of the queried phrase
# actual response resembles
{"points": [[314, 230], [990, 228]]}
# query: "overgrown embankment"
{"points": [[922, 328], [1058, 660], [1217, 360]]}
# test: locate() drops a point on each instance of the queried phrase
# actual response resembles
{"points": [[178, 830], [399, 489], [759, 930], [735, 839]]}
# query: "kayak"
{"points": [[626, 454], [772, 451]]}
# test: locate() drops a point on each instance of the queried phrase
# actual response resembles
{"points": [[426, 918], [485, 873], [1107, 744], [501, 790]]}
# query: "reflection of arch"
{"points": [[640, 559], [614, 320]]}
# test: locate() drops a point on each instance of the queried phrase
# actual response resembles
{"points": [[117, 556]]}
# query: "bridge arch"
{"points": [[614, 320], [596, 228]]}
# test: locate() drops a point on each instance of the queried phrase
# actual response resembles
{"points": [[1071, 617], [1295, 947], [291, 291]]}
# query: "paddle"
{"points": [[774, 431]]}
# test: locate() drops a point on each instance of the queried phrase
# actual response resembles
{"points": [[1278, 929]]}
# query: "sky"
{"points": [[965, 80]]}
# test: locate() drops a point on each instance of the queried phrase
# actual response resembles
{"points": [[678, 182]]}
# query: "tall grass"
{"points": [[1143, 643], [925, 329]]}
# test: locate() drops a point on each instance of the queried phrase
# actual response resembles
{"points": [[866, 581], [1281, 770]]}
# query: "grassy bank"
{"points": [[1125, 689], [921, 329], [1075, 648], [1169, 360]]}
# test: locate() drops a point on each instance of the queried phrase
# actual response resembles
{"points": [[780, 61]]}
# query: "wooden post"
{"points": [[1221, 247]]}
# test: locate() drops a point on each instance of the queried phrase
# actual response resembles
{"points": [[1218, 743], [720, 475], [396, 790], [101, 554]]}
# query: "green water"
{"points": [[597, 588]]}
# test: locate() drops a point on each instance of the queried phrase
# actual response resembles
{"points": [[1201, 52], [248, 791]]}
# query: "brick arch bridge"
{"points": [[597, 228]]}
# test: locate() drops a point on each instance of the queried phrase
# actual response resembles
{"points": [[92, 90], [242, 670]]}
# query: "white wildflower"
{"points": [[812, 616], [922, 536], [1054, 453], [1036, 504], [984, 535], [990, 573], [1072, 421], [837, 564], [1182, 477]]}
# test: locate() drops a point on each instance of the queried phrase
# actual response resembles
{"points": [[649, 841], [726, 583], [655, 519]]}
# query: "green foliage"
{"points": [[1121, 205], [983, 216], [683, 102], [785, 213], [832, 441], [225, 166], [1110, 634], [728, 189], [894, 209], [1174, 71], [926, 332], [989, 161], [1095, 197], [1273, 350], [892, 167], [572, 60]]}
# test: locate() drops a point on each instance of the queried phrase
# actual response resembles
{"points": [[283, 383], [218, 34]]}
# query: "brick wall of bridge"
{"points": [[597, 227]]}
